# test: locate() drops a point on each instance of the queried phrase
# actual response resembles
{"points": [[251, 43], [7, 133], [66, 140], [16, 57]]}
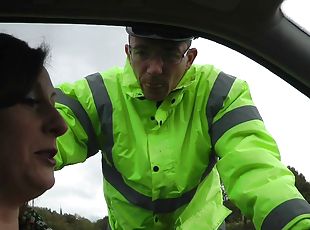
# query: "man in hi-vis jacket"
{"points": [[170, 132]]}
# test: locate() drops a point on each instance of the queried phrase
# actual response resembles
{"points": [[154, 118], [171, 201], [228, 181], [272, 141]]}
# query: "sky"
{"points": [[79, 50]]}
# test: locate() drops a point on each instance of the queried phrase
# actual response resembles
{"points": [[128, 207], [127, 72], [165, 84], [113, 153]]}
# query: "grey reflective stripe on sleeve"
{"points": [[81, 115], [218, 94], [284, 213], [104, 110], [233, 118]]}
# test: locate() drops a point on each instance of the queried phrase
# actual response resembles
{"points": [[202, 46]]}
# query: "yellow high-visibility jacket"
{"points": [[158, 158]]}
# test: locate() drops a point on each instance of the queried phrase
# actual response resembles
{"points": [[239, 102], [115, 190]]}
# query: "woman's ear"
{"points": [[191, 55]]}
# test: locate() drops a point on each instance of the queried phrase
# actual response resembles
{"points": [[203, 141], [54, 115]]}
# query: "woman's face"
{"points": [[28, 143]]}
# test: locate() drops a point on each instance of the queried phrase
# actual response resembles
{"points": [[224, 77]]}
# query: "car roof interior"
{"points": [[255, 28]]}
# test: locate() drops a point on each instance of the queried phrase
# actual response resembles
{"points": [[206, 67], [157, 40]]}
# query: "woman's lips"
{"points": [[47, 155]]}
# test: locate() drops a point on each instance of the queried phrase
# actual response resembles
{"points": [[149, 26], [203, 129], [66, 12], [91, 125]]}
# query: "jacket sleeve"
{"points": [[76, 105], [301, 225], [250, 167]]}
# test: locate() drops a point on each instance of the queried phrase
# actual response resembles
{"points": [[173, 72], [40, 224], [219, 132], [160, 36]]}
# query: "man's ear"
{"points": [[127, 52], [191, 55]]}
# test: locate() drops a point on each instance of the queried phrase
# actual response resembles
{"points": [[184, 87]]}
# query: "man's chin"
{"points": [[155, 97], [155, 94]]}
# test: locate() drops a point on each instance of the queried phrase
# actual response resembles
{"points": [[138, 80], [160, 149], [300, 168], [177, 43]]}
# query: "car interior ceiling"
{"points": [[257, 28]]}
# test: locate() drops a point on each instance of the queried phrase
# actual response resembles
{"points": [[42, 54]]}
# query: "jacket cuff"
{"points": [[303, 224], [283, 214]]}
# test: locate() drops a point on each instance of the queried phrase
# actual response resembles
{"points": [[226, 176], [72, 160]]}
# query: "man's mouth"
{"points": [[153, 86]]}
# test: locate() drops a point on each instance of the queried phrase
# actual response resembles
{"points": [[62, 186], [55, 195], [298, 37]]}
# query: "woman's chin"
{"points": [[43, 184], [48, 182]]}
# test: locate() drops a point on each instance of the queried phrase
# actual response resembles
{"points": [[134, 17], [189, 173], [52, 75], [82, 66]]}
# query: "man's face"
{"points": [[159, 65]]}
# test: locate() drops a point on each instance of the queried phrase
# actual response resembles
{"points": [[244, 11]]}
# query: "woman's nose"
{"points": [[55, 124]]}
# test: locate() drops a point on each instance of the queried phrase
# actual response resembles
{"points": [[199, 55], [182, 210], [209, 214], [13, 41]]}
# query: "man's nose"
{"points": [[155, 65]]}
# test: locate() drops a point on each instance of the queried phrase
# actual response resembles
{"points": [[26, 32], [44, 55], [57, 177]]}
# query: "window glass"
{"points": [[79, 50], [298, 12]]}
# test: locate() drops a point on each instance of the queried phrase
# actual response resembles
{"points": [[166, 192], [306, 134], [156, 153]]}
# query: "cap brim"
{"points": [[159, 32]]}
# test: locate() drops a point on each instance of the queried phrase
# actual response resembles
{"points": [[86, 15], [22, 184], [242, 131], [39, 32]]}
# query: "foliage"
{"points": [[302, 185], [57, 221]]}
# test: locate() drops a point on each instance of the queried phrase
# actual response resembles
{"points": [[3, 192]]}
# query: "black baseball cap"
{"points": [[163, 32]]}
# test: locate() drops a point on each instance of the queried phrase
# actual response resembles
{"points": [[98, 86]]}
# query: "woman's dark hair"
{"points": [[20, 66]]}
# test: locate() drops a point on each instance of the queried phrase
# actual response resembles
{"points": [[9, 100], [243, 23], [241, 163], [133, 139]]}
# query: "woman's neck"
{"points": [[8, 217]]}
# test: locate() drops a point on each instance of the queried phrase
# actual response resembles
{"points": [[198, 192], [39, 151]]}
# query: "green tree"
{"points": [[301, 183]]}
